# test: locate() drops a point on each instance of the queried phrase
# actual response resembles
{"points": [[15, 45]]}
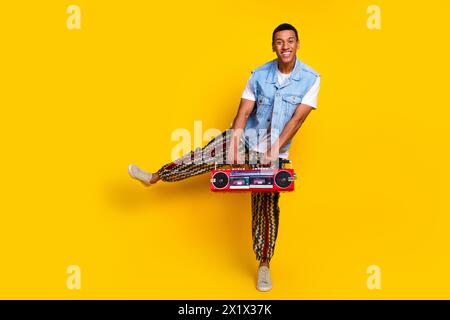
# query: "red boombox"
{"points": [[259, 180]]}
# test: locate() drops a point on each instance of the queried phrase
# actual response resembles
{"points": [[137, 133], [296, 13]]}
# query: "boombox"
{"points": [[259, 180]]}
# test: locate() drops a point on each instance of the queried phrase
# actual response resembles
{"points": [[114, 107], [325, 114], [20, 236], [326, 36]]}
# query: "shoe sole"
{"points": [[264, 289]]}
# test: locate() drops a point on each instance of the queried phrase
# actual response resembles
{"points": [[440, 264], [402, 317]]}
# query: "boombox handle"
{"points": [[281, 162]]}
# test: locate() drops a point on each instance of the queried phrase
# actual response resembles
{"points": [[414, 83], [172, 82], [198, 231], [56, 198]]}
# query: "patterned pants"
{"points": [[265, 210]]}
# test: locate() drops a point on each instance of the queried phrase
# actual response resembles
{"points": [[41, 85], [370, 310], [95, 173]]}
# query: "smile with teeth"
{"points": [[286, 54]]}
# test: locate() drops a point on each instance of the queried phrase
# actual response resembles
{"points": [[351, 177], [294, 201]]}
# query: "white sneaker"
{"points": [[264, 282], [140, 175]]}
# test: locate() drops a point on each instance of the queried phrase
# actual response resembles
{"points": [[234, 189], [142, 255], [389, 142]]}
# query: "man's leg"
{"points": [[194, 163], [265, 219], [197, 162]]}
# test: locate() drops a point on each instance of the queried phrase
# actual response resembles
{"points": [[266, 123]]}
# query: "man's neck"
{"points": [[286, 67]]}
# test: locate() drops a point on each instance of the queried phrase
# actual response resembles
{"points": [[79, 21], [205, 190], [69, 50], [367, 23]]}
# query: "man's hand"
{"points": [[232, 152], [270, 157]]}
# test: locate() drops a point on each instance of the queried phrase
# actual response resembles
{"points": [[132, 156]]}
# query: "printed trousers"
{"points": [[265, 209]]}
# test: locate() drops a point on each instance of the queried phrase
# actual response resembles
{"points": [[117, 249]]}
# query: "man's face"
{"points": [[285, 45]]}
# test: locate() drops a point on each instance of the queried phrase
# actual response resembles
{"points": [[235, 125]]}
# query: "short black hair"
{"points": [[284, 26]]}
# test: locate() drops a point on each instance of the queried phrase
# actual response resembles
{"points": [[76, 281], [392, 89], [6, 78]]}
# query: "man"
{"points": [[284, 92]]}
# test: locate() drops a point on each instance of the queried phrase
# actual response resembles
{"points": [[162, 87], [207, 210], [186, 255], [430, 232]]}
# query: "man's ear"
{"points": [[298, 45]]}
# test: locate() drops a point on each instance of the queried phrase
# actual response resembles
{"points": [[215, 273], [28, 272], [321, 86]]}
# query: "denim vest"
{"points": [[275, 104]]}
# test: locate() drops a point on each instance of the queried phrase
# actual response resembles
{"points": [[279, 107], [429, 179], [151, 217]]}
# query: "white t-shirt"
{"points": [[282, 76], [309, 99]]}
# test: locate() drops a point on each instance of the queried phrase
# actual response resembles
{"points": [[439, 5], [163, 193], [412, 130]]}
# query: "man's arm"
{"points": [[239, 122], [244, 111], [291, 128], [299, 116]]}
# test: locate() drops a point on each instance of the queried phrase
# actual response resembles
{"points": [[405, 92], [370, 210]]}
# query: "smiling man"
{"points": [[284, 91], [276, 101]]}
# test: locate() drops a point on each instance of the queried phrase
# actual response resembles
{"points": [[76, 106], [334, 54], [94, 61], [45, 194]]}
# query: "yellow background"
{"points": [[79, 105]]}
